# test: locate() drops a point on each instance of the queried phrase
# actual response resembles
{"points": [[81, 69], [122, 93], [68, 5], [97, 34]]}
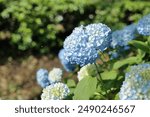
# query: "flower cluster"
{"points": [[66, 64], [143, 26], [137, 83], [55, 75], [82, 46], [57, 91], [53, 89], [42, 77], [122, 37]]}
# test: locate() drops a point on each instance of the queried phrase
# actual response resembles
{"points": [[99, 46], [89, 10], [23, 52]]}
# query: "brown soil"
{"points": [[17, 77]]}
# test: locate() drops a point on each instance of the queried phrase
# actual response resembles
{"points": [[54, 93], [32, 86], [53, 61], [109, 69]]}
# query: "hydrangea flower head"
{"points": [[56, 91], [55, 75], [87, 70], [66, 64], [122, 37], [143, 26], [99, 35], [82, 46], [42, 77], [137, 83]]}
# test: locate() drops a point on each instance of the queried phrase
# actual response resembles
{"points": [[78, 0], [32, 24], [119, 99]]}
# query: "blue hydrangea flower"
{"points": [[122, 37], [57, 91], [82, 56], [82, 46], [137, 83], [42, 77], [99, 36], [66, 64], [143, 26], [55, 75]]}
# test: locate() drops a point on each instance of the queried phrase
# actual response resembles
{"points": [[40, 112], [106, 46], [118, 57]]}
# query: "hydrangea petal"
{"points": [[42, 77], [56, 91], [143, 26]]}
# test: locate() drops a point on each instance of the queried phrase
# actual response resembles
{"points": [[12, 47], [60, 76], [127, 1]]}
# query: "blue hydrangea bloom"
{"points": [[42, 77], [66, 64], [137, 83], [122, 37], [56, 91], [82, 46], [99, 36], [143, 26]]}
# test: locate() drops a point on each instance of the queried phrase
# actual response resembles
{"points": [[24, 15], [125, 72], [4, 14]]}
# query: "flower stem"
{"points": [[101, 81], [100, 77]]}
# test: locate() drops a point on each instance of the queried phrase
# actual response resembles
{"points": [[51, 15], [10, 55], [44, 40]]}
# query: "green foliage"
{"points": [[36, 23], [109, 75], [71, 83], [140, 45], [118, 13], [85, 88], [148, 41], [127, 61], [44, 24]]}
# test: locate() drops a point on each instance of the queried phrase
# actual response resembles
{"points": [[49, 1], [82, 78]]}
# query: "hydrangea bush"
{"points": [[108, 64]]}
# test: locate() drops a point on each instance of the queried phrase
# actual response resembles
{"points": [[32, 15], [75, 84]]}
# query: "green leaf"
{"points": [[130, 61], [117, 96], [149, 42], [85, 88], [140, 45], [141, 53], [109, 75], [71, 83]]}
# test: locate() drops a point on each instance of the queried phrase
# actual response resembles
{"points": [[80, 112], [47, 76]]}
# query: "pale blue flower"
{"points": [[82, 46], [98, 36], [137, 83], [42, 77], [120, 38], [66, 64], [143, 26]]}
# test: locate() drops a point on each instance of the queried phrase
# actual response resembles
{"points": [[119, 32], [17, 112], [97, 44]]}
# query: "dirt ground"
{"points": [[17, 77]]}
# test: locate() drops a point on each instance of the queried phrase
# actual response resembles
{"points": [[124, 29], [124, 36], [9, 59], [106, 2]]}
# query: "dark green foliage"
{"points": [[43, 24]]}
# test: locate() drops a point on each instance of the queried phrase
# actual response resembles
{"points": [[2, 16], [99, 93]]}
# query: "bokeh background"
{"points": [[32, 33]]}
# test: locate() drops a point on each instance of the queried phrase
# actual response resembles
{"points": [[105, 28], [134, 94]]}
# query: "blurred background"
{"points": [[32, 33]]}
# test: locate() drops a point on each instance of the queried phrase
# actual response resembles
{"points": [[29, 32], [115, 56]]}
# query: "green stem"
{"points": [[101, 81], [100, 78]]}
